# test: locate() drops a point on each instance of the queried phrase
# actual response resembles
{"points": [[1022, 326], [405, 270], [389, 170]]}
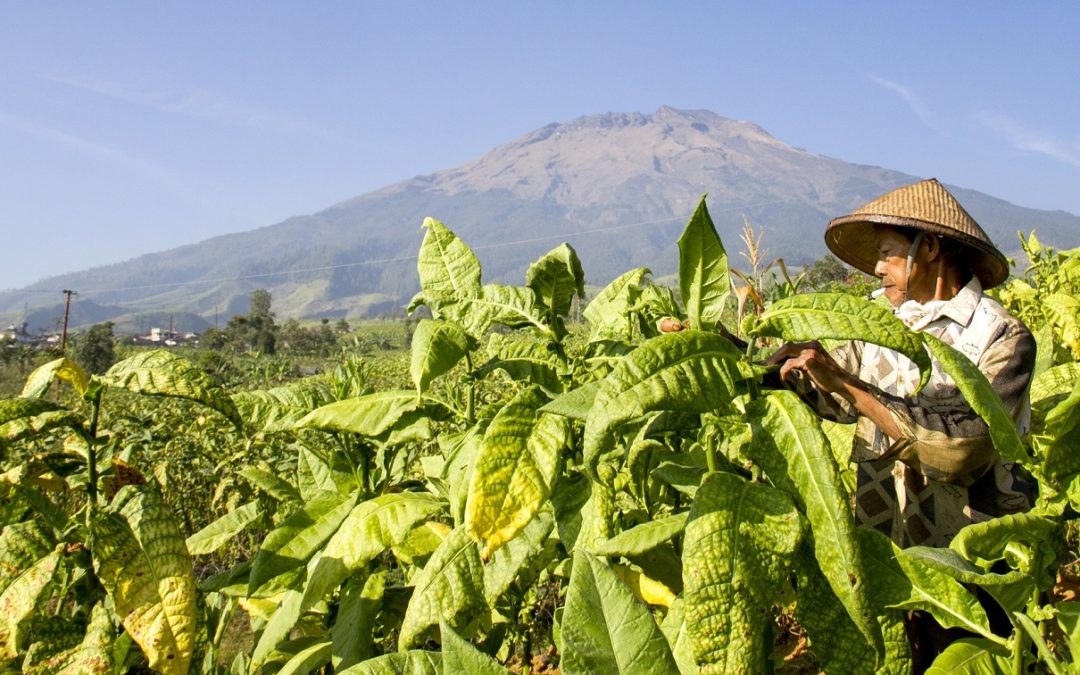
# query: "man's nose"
{"points": [[879, 268]]}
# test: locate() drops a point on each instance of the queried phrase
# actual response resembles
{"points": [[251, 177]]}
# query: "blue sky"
{"points": [[132, 127]]}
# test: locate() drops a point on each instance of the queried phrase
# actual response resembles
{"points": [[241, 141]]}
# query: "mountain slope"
{"points": [[618, 187]]}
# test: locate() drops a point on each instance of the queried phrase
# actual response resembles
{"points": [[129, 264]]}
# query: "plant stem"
{"points": [[365, 468], [91, 453], [751, 385], [470, 405], [710, 457]]}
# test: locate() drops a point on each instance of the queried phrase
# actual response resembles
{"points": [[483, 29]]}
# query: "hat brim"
{"points": [[852, 239]]}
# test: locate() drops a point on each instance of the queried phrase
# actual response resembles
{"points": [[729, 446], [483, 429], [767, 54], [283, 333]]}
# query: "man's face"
{"points": [[891, 267]]}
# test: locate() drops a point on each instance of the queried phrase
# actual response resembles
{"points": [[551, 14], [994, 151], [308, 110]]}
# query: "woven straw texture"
{"points": [[926, 206]]}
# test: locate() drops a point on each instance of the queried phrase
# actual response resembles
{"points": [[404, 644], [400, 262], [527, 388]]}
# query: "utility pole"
{"points": [[67, 309]]}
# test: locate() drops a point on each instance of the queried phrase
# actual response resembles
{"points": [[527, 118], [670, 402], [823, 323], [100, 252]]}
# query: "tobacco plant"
{"points": [[644, 501]]}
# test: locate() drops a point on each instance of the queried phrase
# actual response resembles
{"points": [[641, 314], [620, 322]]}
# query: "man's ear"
{"points": [[933, 247]]}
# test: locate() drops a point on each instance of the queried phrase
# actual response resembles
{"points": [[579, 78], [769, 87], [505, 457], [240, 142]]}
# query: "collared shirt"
{"points": [[943, 472]]}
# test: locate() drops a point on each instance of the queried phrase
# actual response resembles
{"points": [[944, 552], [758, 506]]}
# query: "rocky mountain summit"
{"points": [[618, 187]]}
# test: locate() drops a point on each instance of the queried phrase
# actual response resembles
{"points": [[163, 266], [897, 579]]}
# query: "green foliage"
{"points": [[741, 538], [518, 487], [605, 629], [703, 270]]}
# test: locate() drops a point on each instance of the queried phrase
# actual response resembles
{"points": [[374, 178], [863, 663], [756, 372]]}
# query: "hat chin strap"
{"points": [[911, 262]]}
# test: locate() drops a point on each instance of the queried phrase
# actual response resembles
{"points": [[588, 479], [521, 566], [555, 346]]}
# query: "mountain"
{"points": [[619, 187]]}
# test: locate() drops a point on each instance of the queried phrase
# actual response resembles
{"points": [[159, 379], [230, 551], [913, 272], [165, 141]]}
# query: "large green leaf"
{"points": [[292, 543], [516, 562], [704, 280], [836, 641], [985, 543], [531, 362], [643, 537], [958, 567], [449, 271], [160, 372], [280, 408], [450, 588], [459, 452], [556, 278], [674, 627], [605, 629], [314, 474], [437, 346], [692, 371], [981, 396], [372, 415], [738, 548], [514, 470], [972, 656], [308, 659], [63, 368], [584, 511], [412, 662], [370, 528], [575, 403], [838, 316], [22, 427], [224, 529], [140, 558], [459, 656], [510, 306], [272, 484], [278, 628], [787, 442], [607, 313], [904, 582], [353, 630]]}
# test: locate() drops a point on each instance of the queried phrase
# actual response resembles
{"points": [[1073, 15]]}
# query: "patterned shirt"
{"points": [[943, 472]]}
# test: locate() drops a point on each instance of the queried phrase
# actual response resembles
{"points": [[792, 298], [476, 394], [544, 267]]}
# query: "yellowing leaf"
{"points": [[161, 373], [23, 585], [140, 558], [1064, 313], [514, 470], [647, 590], [65, 369]]}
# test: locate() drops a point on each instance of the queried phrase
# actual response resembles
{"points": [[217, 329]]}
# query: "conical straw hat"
{"points": [[926, 206]]}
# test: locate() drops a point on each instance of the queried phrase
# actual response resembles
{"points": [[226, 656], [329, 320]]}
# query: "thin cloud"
{"points": [[199, 104], [64, 139], [1027, 139], [913, 101]]}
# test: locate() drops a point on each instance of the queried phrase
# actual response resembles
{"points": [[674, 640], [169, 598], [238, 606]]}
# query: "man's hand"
{"points": [[827, 375], [812, 359]]}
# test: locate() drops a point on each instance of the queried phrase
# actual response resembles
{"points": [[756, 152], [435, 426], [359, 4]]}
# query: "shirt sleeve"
{"points": [[942, 437]]}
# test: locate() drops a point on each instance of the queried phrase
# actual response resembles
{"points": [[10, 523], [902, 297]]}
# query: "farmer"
{"points": [[926, 464]]}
